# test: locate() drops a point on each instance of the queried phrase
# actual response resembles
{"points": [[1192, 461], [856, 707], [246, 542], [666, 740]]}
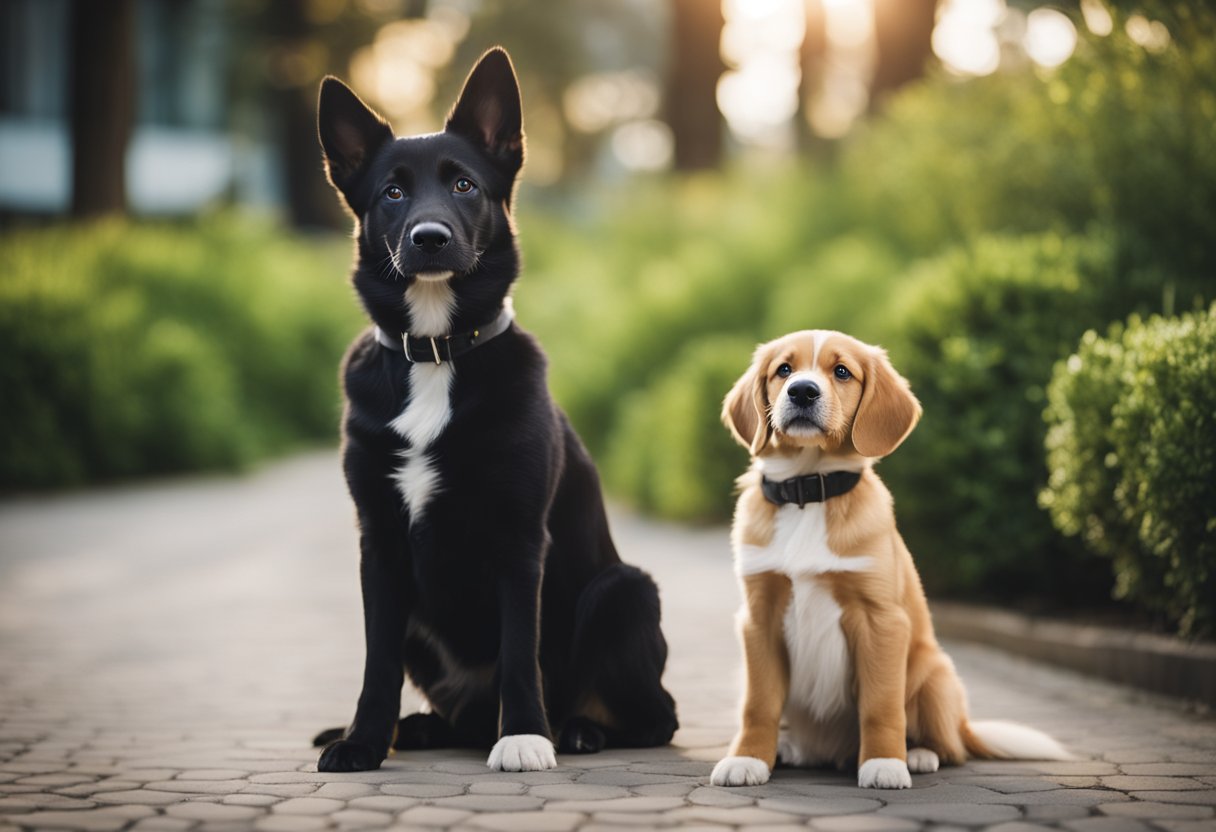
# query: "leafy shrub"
{"points": [[842, 285], [670, 452], [613, 298], [983, 327], [138, 349], [1132, 453], [1118, 137]]}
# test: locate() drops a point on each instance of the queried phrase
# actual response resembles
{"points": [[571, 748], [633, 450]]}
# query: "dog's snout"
{"points": [[430, 236], [803, 392]]}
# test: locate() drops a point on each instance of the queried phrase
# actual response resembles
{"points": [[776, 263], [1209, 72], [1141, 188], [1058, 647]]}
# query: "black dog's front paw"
{"points": [[345, 755], [581, 736]]}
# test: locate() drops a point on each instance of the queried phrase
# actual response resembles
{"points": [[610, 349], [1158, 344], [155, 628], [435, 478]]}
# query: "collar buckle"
{"points": [[800, 495], [405, 341]]}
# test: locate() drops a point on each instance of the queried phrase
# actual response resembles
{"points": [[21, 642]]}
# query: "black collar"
{"points": [[813, 488], [437, 350]]}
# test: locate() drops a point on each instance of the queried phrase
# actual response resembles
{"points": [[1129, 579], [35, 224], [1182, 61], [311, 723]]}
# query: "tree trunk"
{"points": [[103, 104], [810, 59], [903, 31], [692, 83]]}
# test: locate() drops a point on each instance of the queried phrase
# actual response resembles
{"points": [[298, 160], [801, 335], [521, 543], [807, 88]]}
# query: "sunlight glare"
{"points": [[397, 72], [643, 145], [760, 95], [1151, 34], [849, 25], [1097, 17], [965, 38], [595, 102], [1050, 37], [761, 39]]}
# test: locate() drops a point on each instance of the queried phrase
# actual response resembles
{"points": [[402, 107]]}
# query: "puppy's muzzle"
{"points": [[430, 237]]}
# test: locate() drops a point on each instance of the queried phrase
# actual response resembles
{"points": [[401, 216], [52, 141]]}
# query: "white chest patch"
{"points": [[820, 669], [429, 408], [799, 547]]}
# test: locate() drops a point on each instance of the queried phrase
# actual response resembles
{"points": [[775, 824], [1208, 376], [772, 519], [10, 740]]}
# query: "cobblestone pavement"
{"points": [[166, 651]]}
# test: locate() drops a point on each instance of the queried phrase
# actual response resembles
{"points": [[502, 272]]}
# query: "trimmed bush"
{"points": [[844, 285], [670, 453], [615, 299], [983, 327], [1132, 453], [134, 349], [1118, 137]]}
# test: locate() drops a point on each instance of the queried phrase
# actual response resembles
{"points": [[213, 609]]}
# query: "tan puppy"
{"points": [[835, 627]]}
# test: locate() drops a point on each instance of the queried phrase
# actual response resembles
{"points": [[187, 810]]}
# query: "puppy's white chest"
{"points": [[799, 546], [821, 675]]}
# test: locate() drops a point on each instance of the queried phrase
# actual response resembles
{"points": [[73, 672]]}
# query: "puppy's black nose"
{"points": [[430, 236], [803, 392]]}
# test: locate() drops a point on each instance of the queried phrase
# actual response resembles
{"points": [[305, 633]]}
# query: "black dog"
{"points": [[488, 573]]}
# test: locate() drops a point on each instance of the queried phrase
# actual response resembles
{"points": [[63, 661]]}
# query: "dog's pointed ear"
{"points": [[887, 412], [489, 112], [745, 409], [350, 132]]}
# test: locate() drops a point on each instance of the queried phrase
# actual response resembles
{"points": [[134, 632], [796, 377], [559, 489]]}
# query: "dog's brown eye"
{"points": [[463, 185], [842, 372], [393, 193], [784, 370]]}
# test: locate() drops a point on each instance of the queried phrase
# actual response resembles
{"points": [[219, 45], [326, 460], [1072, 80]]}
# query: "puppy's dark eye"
{"points": [[394, 194], [463, 185], [842, 372], [784, 370]]}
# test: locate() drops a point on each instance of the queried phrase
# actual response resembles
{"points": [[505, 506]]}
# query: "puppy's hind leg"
{"points": [[617, 655]]}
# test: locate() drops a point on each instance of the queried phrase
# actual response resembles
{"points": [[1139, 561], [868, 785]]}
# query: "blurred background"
{"points": [[1017, 199]]}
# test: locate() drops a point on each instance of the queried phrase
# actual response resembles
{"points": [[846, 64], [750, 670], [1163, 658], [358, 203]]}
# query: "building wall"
{"points": [[181, 157]]}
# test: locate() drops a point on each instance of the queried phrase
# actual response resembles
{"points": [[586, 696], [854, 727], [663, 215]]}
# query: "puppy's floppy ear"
{"points": [[745, 409], [489, 112], [887, 412], [350, 132]]}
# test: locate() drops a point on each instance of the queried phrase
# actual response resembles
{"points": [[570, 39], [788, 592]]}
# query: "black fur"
{"points": [[504, 601]]}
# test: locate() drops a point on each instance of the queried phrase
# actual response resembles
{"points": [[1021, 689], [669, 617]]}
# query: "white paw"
{"points": [[739, 771], [922, 760], [788, 752], [884, 773], [522, 752]]}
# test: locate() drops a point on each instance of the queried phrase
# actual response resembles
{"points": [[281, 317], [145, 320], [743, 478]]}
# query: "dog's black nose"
{"points": [[430, 236], [803, 392]]}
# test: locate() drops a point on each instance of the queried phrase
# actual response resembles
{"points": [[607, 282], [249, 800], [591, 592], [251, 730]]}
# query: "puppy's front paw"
{"points": [[740, 771], [345, 755], [522, 752], [884, 773], [922, 760]]}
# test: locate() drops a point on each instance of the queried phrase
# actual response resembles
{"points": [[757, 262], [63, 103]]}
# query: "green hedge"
{"points": [[1132, 453], [983, 327], [130, 349], [669, 453], [1118, 137]]}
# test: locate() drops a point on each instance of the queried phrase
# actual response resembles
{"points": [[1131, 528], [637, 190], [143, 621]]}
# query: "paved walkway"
{"points": [[166, 652]]}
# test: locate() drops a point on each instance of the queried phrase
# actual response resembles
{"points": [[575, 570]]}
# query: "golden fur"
{"points": [[904, 687]]}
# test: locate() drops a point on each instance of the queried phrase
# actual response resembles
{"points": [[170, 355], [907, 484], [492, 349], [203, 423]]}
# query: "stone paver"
{"points": [[167, 650]]}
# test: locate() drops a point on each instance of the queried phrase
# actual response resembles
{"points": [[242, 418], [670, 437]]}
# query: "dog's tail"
{"points": [[999, 740]]}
